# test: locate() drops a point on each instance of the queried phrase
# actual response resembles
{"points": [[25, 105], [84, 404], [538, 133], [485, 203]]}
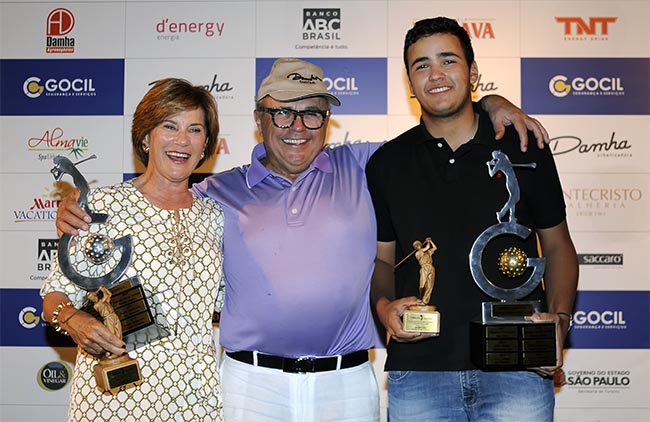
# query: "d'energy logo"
{"points": [[560, 86]]}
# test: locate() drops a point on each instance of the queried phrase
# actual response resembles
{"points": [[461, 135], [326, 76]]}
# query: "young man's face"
{"points": [[439, 75]]}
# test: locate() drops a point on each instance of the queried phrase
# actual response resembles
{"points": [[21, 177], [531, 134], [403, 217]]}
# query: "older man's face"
{"points": [[290, 151]]}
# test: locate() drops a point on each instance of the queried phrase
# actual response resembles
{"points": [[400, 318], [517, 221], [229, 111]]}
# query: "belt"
{"points": [[302, 364]]}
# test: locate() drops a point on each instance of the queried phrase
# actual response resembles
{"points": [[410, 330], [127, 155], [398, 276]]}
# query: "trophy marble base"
{"points": [[512, 345], [115, 374], [421, 319]]}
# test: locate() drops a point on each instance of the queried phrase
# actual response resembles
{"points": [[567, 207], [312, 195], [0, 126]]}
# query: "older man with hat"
{"points": [[298, 256], [299, 250]]}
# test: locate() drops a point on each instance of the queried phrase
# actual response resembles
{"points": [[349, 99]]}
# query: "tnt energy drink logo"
{"points": [[321, 24], [615, 259], [60, 23], [53, 376], [589, 29]]}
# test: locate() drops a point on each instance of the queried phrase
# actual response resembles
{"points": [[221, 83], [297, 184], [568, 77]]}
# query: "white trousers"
{"points": [[253, 393]]}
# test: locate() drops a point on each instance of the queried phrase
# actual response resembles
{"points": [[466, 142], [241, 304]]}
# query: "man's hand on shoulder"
{"points": [[503, 113], [70, 217]]}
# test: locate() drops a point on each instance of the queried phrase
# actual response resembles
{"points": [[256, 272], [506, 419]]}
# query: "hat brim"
{"points": [[290, 96]]}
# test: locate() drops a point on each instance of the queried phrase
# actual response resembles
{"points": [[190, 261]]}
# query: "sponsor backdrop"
{"points": [[72, 73]]}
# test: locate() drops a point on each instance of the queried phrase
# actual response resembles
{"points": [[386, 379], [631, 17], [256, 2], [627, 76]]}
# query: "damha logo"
{"points": [[577, 29], [60, 22], [484, 86], [54, 376], [28, 317], [566, 144], [321, 24], [560, 86], [33, 88]]}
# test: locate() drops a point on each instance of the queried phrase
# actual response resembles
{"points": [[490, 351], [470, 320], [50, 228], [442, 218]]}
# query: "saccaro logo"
{"points": [[561, 86], [600, 259]]}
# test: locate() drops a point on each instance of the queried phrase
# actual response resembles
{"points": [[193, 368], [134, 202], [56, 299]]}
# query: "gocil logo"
{"points": [[599, 318], [28, 317], [560, 86], [32, 87]]}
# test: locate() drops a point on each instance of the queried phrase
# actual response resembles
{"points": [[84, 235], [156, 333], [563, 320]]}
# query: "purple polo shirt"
{"points": [[298, 257]]}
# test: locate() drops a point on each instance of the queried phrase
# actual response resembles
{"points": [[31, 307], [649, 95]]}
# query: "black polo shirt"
{"points": [[421, 188]]}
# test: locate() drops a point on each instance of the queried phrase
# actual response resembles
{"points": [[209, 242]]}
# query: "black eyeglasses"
{"points": [[284, 118]]}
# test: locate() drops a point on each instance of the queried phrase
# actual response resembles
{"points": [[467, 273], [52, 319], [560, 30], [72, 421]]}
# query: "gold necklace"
{"points": [[180, 251]]}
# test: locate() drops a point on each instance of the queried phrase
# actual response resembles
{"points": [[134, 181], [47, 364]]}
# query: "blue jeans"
{"points": [[434, 396]]}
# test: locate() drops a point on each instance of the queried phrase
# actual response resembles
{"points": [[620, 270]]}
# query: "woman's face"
{"points": [[176, 145]]}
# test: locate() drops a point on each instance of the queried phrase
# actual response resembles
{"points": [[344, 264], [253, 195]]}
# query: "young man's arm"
{"points": [[560, 279]]}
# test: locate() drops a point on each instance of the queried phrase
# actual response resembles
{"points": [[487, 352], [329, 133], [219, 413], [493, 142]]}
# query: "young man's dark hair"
{"points": [[440, 25]]}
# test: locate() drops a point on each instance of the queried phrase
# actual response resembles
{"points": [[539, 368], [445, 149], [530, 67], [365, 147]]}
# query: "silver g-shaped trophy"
{"points": [[503, 339], [97, 263]]}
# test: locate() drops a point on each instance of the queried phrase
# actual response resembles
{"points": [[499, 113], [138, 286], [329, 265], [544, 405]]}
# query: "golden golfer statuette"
{"points": [[423, 318], [113, 373], [504, 339]]}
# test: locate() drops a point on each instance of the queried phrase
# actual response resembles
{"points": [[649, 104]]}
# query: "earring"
{"points": [[145, 144], [202, 155]]}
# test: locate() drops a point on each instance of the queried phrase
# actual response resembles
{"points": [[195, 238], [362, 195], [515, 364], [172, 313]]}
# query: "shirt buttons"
{"points": [[294, 211], [294, 188], [439, 144], [452, 160]]}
